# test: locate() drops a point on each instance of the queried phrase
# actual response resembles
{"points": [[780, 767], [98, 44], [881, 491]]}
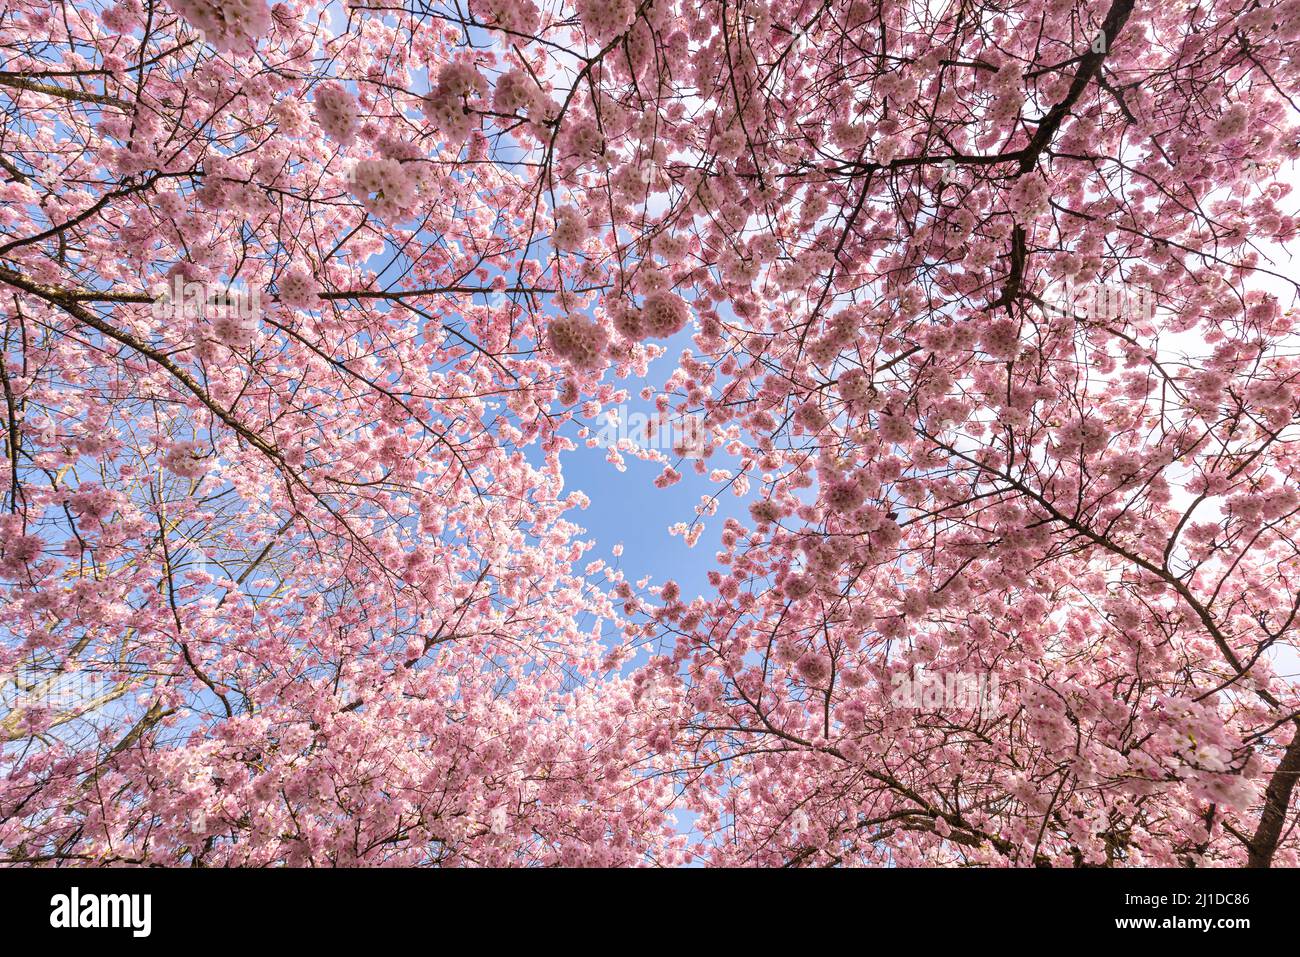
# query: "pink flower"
{"points": [[579, 341], [336, 112], [814, 668], [663, 314], [298, 288]]}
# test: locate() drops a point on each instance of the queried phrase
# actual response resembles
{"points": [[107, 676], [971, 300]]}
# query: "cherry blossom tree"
{"points": [[984, 308], [269, 401], [961, 472]]}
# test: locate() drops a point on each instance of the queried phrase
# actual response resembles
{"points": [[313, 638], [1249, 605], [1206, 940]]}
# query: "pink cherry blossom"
{"points": [[977, 314]]}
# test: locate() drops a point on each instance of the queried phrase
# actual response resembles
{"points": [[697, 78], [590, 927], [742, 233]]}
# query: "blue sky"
{"points": [[627, 508]]}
